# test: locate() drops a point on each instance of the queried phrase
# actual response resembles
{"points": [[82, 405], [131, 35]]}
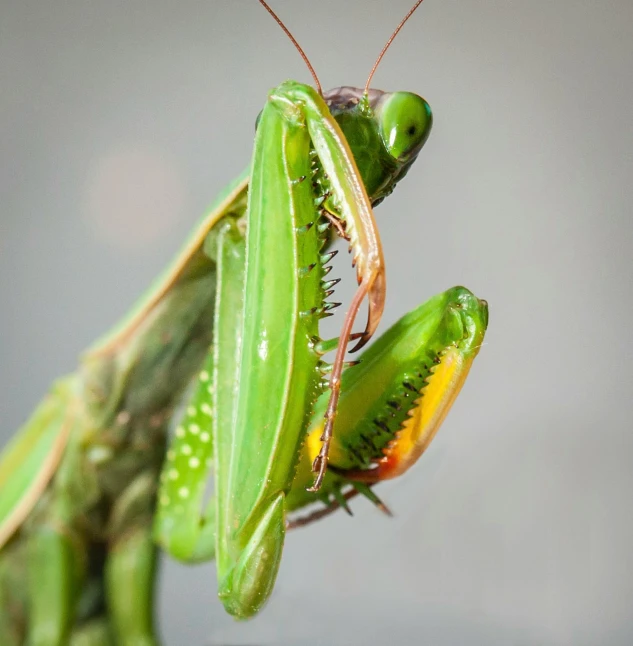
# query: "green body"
{"points": [[81, 478], [302, 165]]}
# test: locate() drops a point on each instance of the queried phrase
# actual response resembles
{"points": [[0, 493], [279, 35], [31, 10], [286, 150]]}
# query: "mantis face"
{"points": [[385, 131]]}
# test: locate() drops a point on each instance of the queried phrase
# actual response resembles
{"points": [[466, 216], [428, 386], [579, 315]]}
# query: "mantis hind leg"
{"points": [[130, 567], [130, 576], [55, 575]]}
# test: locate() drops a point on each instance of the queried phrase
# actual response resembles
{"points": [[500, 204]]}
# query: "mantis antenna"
{"points": [[296, 44], [388, 43]]}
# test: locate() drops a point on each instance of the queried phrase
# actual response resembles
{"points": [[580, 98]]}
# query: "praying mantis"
{"points": [[227, 346]]}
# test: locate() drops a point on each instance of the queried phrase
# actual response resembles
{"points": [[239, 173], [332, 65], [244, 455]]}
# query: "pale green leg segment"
{"points": [[182, 527], [53, 586], [130, 567], [278, 368], [129, 577]]}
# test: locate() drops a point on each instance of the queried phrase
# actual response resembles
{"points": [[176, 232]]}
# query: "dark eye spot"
{"points": [[411, 130]]}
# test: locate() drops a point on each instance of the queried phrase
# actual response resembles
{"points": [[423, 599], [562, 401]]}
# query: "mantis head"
{"points": [[385, 130]]}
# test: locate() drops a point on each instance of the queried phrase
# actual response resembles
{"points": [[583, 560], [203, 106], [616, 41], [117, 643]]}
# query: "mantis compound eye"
{"points": [[405, 121]]}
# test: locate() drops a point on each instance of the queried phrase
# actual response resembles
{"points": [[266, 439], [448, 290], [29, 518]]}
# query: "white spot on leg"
{"points": [[172, 474], [191, 411], [194, 462], [186, 449], [183, 492], [204, 376], [194, 429], [206, 409], [180, 432], [205, 437], [262, 349]]}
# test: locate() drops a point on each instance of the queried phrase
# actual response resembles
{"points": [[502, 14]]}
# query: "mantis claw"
{"points": [[319, 466], [375, 290]]}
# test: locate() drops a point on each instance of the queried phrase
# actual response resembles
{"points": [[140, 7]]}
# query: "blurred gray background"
{"points": [[120, 122]]}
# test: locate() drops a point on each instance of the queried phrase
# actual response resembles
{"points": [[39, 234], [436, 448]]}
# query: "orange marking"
{"points": [[418, 431]]}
